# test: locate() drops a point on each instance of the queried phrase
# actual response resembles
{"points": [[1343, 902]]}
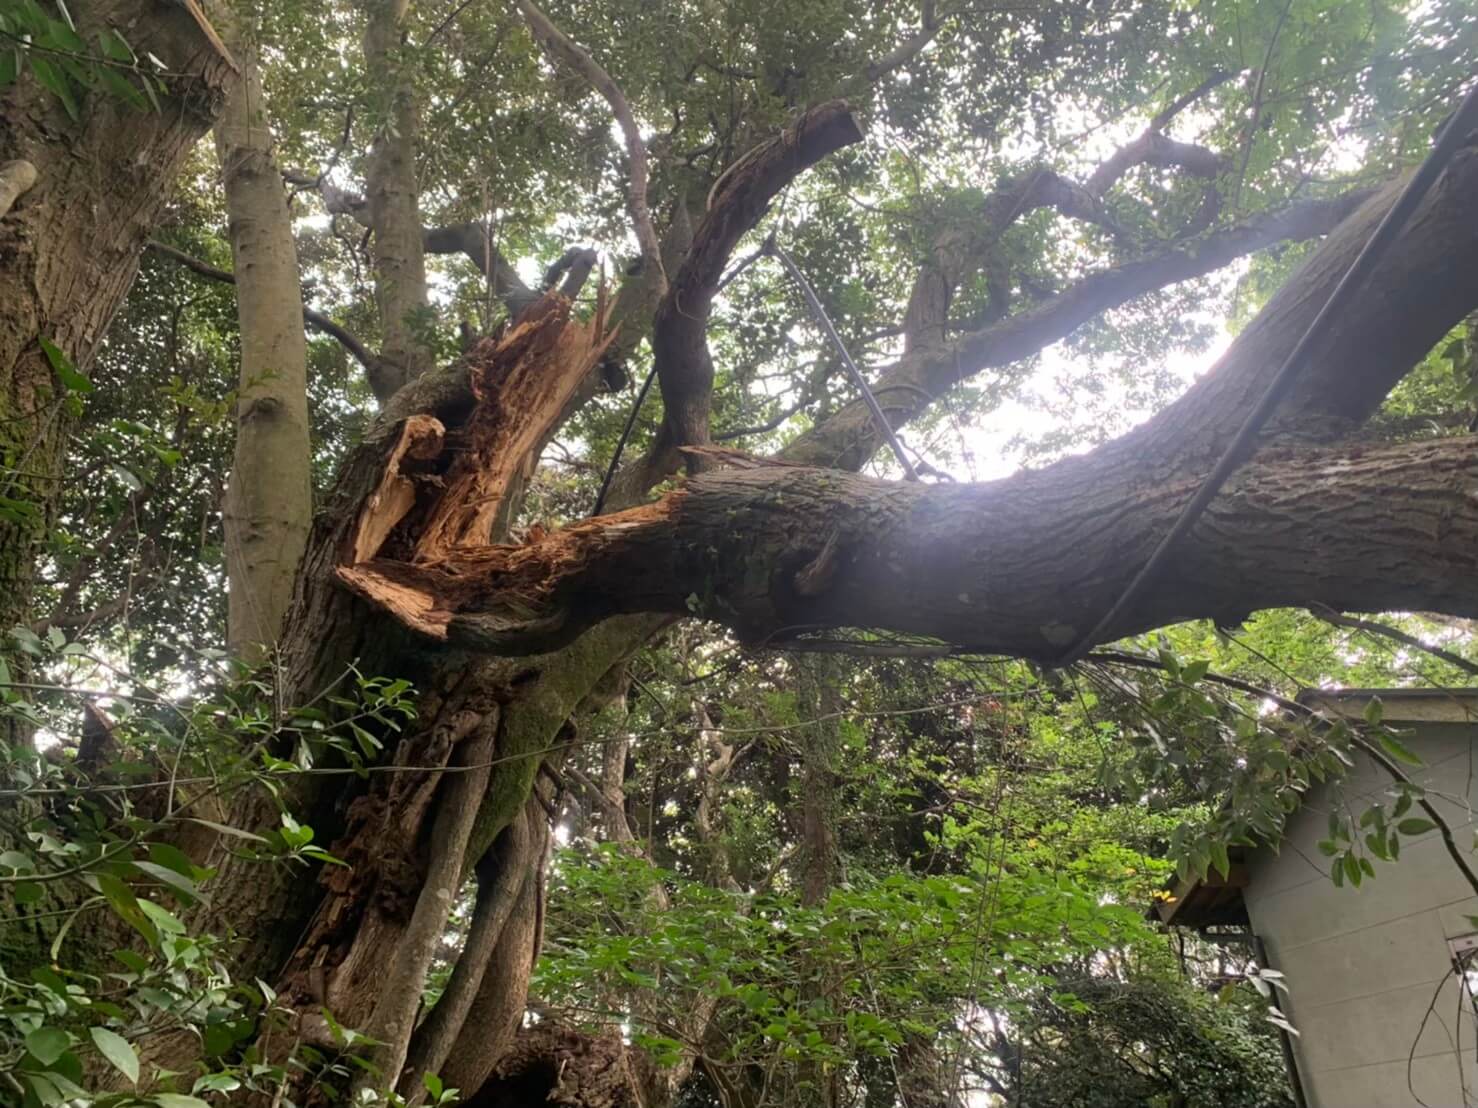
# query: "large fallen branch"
{"points": [[1024, 566], [1020, 566]]}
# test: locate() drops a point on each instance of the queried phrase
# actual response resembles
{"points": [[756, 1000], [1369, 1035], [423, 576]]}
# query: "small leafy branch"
{"points": [[86, 846], [55, 53]]}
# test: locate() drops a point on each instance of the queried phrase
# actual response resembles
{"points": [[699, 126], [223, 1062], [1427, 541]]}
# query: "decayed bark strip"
{"points": [[16, 179]]}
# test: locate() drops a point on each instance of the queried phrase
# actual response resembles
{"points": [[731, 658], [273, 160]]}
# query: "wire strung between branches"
{"points": [[1460, 123], [605, 482], [772, 247]]}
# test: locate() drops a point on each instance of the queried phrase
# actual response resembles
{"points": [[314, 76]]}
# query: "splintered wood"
{"points": [[444, 489]]}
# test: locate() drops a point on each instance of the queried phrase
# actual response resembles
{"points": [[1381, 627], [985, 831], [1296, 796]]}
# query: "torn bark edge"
{"points": [[446, 484]]}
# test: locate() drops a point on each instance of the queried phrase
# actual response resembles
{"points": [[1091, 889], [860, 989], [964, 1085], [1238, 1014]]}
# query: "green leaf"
{"points": [[72, 380], [227, 829], [10, 66], [176, 881], [1415, 825], [161, 918], [119, 86], [116, 1049], [1395, 749], [127, 906], [128, 477], [47, 1044], [1352, 870], [177, 1100], [175, 858], [1375, 711], [1220, 860], [52, 77], [45, 1092]]}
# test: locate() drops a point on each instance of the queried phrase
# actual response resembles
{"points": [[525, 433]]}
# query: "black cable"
{"points": [[884, 427], [1462, 121], [605, 484]]}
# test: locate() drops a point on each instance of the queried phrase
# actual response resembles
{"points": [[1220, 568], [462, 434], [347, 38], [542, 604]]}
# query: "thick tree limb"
{"points": [[316, 320], [1154, 148], [500, 878], [725, 545], [393, 1019], [910, 385], [471, 239], [560, 46], [394, 205], [736, 203], [1017, 566]]}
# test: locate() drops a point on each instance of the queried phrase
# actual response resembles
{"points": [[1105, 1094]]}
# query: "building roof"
{"points": [[1215, 900]]}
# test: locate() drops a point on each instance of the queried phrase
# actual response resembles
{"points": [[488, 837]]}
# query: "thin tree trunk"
{"points": [[268, 506], [395, 220]]}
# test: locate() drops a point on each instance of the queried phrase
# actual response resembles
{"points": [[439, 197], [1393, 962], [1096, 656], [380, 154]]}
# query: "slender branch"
{"points": [[929, 23], [317, 320], [884, 427], [560, 46], [1185, 100], [1399, 775], [1370, 626], [1257, 105]]}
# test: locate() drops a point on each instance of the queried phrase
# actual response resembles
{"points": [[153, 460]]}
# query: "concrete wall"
{"points": [[1364, 966]]}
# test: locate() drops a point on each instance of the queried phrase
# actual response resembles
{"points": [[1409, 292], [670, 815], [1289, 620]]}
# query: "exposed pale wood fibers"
{"points": [[443, 488]]}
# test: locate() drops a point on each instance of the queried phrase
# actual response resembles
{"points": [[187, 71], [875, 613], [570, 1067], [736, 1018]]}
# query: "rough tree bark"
{"points": [[268, 505], [69, 246]]}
